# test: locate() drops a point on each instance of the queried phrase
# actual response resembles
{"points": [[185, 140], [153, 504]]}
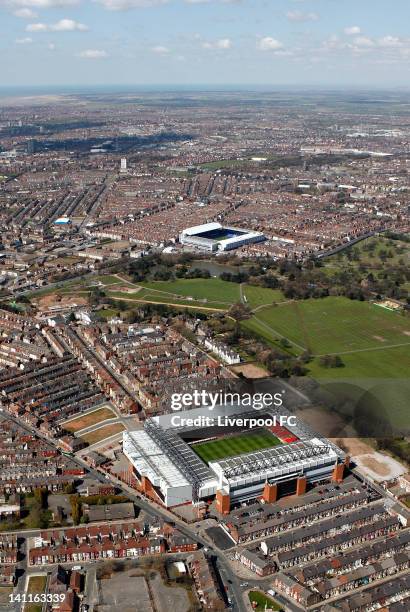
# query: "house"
{"points": [[180, 543], [256, 562], [206, 582]]}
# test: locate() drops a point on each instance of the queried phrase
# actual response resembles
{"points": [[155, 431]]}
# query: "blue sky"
{"points": [[221, 42]]}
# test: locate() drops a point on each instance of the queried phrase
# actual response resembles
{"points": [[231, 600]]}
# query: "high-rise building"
{"points": [[31, 147], [123, 167]]}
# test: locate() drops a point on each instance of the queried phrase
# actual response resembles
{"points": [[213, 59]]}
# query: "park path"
{"points": [[195, 306]]}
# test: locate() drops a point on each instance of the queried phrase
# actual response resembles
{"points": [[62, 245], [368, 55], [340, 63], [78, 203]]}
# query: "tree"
{"points": [[331, 361], [40, 495], [239, 312], [75, 509]]}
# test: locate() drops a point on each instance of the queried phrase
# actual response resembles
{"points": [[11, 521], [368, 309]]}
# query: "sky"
{"points": [[323, 43]]}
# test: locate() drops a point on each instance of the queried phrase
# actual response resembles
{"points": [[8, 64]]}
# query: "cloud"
{"points": [[269, 44], [160, 50], [23, 41], [125, 5], [387, 49], [64, 25], [21, 5], [93, 54], [51, 46], [222, 43], [390, 41], [352, 30], [68, 25], [301, 17], [363, 41], [209, 1], [25, 13], [37, 27]]}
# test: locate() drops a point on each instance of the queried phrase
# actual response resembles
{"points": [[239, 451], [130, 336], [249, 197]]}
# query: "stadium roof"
{"points": [[276, 461], [151, 461], [180, 452], [199, 229]]}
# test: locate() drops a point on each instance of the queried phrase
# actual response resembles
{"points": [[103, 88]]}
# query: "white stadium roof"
{"points": [[275, 462], [150, 461], [198, 229]]}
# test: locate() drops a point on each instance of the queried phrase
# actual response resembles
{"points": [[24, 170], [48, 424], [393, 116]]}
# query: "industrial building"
{"points": [[214, 237], [163, 458]]}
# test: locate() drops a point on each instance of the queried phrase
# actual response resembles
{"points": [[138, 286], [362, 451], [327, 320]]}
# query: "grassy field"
{"points": [[235, 445], [105, 279], [212, 293], [36, 586], [369, 253], [211, 289], [261, 296], [5, 593], [102, 433], [222, 163], [334, 325], [91, 418], [373, 343], [262, 602]]}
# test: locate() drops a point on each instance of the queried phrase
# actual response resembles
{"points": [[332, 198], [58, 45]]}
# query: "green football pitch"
{"points": [[235, 445]]}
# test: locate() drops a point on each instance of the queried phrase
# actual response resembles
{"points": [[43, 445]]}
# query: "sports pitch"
{"points": [[333, 325], [235, 445]]}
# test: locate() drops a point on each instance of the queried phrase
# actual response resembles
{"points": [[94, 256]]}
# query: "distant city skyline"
{"points": [[321, 43]]}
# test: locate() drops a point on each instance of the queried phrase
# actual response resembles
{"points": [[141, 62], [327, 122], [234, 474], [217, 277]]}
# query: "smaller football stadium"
{"points": [[215, 237]]}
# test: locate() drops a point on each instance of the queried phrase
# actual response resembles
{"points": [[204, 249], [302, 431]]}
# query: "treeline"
{"points": [[298, 281], [399, 447]]}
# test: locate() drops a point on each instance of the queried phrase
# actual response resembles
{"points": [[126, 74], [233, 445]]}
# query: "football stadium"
{"points": [[214, 237], [190, 463]]}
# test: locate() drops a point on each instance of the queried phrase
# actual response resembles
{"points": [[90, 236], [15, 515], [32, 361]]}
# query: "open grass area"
{"points": [[5, 593], [102, 432], [148, 297], [376, 253], [261, 296], [222, 163], [262, 601], [235, 445], [36, 586], [335, 325], [105, 279], [91, 418], [383, 364], [210, 289], [373, 344]]}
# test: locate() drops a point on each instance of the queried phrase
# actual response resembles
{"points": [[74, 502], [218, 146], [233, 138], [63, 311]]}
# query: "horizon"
{"points": [[204, 87]]}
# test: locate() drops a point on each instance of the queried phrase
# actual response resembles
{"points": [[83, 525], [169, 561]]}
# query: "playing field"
{"points": [[210, 289], [334, 325], [261, 296], [235, 445], [91, 418], [103, 432]]}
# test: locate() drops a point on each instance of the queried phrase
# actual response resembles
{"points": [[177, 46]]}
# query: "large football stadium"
{"points": [[182, 464]]}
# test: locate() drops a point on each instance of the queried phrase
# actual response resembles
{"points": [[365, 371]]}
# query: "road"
{"points": [[104, 365]]}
